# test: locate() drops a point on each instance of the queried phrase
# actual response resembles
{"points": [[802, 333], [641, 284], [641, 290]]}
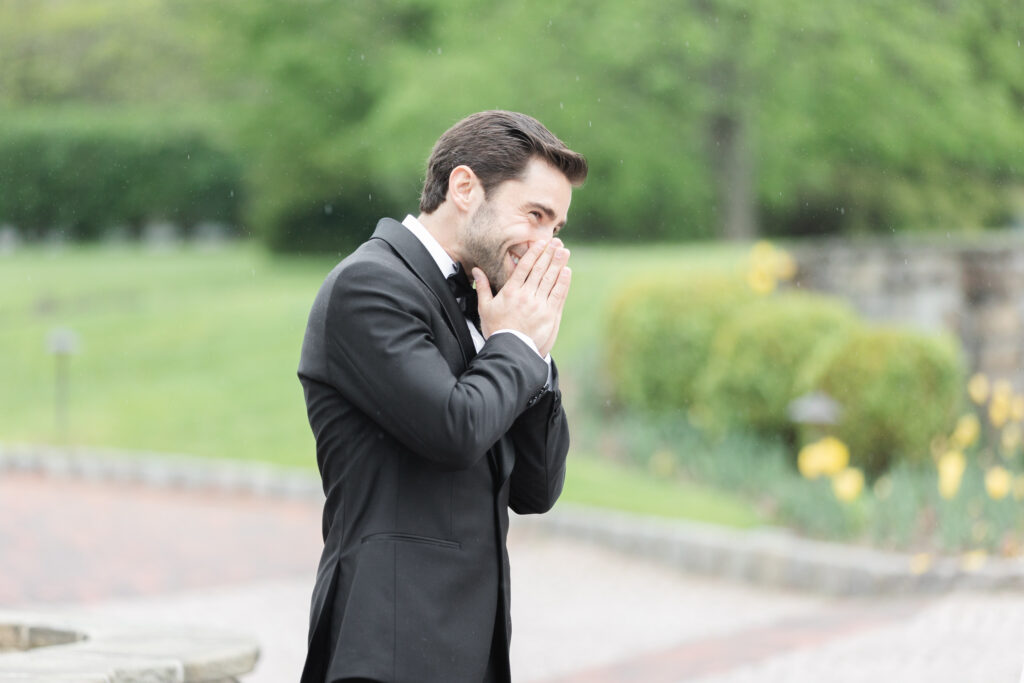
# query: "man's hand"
{"points": [[532, 300]]}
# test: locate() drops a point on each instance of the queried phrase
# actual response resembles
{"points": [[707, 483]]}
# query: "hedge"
{"points": [[756, 356], [84, 176], [897, 390], [660, 333]]}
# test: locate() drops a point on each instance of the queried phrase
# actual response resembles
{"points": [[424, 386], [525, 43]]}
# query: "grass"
{"points": [[194, 350], [594, 481]]}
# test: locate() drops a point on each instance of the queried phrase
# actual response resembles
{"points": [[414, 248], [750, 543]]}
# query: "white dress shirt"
{"points": [[448, 266]]}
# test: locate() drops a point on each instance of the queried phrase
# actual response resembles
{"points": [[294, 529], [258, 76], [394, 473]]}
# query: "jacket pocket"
{"points": [[412, 538]]}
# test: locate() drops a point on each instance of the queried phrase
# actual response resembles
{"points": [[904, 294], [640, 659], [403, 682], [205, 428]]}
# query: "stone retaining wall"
{"points": [[975, 291]]}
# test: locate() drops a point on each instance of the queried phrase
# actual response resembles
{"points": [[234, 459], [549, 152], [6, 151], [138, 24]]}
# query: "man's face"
{"points": [[515, 215]]}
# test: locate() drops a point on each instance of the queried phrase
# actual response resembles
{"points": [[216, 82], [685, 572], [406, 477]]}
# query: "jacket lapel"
{"points": [[420, 262]]}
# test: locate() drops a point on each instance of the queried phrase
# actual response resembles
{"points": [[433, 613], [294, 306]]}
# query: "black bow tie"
{"points": [[464, 294]]}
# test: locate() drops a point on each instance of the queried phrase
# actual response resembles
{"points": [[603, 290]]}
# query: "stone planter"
{"points": [[43, 649]]}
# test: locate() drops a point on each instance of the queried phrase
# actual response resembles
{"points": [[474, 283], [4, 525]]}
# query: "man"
{"points": [[428, 427]]}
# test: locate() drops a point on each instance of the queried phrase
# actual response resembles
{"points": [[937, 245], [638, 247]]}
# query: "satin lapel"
{"points": [[420, 262]]}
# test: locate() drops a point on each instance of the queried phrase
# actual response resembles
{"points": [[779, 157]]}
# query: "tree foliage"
{"points": [[700, 118]]}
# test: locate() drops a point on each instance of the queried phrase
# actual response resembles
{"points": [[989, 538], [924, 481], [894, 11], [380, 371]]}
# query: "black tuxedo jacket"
{"points": [[423, 445]]}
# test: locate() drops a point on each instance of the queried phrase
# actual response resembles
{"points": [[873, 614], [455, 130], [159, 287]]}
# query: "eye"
{"points": [[536, 215]]}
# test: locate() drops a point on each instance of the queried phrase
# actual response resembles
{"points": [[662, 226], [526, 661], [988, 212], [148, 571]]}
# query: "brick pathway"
{"points": [[581, 613], [66, 541]]}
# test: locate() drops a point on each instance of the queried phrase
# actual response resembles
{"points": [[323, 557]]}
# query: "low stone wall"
{"points": [[975, 291], [41, 649]]}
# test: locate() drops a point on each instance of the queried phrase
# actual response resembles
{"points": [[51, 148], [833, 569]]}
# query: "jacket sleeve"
{"points": [[382, 357], [541, 439]]}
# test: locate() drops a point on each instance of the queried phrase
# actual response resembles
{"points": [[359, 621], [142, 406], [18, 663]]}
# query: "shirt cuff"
{"points": [[529, 342]]}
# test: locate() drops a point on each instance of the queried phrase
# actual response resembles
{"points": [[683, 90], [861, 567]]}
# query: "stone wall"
{"points": [[975, 291]]}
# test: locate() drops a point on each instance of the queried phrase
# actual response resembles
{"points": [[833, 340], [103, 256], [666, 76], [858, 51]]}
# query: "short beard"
{"points": [[482, 246]]}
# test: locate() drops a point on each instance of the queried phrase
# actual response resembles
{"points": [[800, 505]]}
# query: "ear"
{"points": [[464, 189]]}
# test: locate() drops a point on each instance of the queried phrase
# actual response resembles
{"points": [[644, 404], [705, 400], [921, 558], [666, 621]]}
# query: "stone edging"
{"points": [[43, 649], [776, 557], [161, 470], [772, 557]]}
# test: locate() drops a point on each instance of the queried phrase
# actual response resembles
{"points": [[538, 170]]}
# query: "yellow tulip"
{"points": [[828, 457], [977, 388], [920, 563], [785, 266], [967, 429], [951, 471], [809, 462], [1017, 408], [1002, 389], [848, 484], [761, 280], [762, 253], [973, 560], [998, 482], [999, 410], [1011, 437]]}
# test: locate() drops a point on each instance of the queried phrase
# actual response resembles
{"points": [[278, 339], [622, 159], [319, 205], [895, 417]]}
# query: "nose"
{"points": [[546, 233]]}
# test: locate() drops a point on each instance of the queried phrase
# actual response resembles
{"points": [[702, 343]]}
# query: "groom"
{"points": [[435, 407]]}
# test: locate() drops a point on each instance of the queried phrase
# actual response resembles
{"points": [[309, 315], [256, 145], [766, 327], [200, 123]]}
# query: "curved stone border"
{"points": [[163, 470], [766, 556], [47, 650], [775, 557]]}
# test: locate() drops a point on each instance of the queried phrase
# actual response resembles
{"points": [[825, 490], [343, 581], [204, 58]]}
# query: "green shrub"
{"points": [[897, 390], [85, 175], [756, 356], [660, 333]]}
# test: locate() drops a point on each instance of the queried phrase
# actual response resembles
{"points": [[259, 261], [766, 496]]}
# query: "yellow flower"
{"points": [[762, 253], [761, 280], [977, 388], [828, 457], [999, 410], [951, 471], [785, 266], [920, 563], [848, 484], [998, 482], [967, 429], [1018, 487], [1011, 437], [973, 561], [1002, 389], [1017, 408]]}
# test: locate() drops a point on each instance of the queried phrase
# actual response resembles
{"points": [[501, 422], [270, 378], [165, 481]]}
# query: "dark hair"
{"points": [[497, 145]]}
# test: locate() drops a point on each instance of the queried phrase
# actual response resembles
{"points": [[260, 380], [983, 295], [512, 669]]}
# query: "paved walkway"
{"points": [[581, 613]]}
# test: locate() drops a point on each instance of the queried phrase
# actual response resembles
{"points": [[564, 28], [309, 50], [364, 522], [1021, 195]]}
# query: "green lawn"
{"points": [[194, 351]]}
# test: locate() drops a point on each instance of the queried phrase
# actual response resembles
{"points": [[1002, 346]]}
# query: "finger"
{"points": [[526, 263], [558, 261], [533, 281], [560, 291], [483, 289]]}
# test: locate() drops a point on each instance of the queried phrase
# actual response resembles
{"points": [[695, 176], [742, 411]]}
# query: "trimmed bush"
{"points": [[660, 333], [756, 356], [898, 390], [87, 175]]}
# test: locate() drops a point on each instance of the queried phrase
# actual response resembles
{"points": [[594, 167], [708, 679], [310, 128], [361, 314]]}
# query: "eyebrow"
{"points": [[547, 211]]}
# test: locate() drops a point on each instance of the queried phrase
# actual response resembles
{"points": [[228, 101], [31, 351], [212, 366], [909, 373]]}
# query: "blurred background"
{"points": [[798, 258]]}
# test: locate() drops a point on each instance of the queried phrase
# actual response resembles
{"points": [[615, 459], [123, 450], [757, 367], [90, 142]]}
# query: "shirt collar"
{"points": [[437, 252]]}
